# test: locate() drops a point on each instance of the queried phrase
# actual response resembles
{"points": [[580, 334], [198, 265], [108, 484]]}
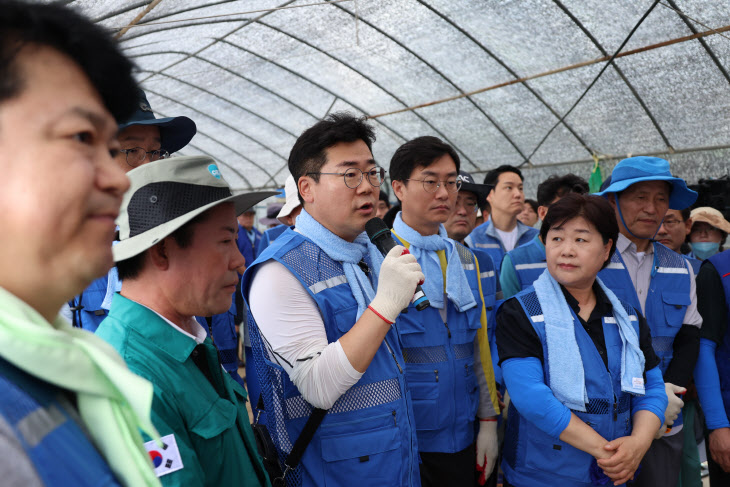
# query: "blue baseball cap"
{"points": [[175, 132], [642, 168]]}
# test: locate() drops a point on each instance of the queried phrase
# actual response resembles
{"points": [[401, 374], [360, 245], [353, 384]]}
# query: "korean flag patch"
{"points": [[166, 458]]}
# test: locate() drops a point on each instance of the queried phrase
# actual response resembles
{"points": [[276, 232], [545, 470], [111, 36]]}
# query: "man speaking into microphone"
{"points": [[322, 302], [448, 360]]}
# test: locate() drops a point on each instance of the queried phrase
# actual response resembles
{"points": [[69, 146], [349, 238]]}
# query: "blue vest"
{"points": [[48, 429], [531, 457], [529, 262], [86, 307], [667, 300], [721, 261], [490, 291], [440, 368], [696, 263], [485, 237], [267, 237], [368, 434]]}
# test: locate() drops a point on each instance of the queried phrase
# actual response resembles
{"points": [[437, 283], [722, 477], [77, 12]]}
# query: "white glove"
{"points": [[486, 449], [397, 281], [675, 403]]}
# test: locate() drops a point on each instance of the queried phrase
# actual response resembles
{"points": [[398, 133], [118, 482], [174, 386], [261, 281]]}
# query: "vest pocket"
{"points": [[220, 417], [546, 453], [675, 306], [424, 387], [373, 457], [472, 390]]}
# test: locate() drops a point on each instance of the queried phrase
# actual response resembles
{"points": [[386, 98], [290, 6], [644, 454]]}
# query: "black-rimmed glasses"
{"points": [[137, 155], [353, 176]]}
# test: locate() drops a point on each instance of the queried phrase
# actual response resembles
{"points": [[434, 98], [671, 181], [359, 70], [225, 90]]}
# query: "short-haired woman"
{"points": [[578, 363]]}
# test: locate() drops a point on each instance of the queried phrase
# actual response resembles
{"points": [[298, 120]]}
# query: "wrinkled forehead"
{"points": [[649, 187]]}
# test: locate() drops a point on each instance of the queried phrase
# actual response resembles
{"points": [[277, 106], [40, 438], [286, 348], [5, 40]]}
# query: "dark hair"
{"points": [[183, 236], [685, 213], [493, 176], [384, 197], [309, 151], [596, 210], [533, 204], [87, 44], [558, 186], [419, 152]]}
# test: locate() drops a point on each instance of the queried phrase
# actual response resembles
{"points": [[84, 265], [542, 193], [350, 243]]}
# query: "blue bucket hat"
{"points": [[637, 169], [175, 132]]}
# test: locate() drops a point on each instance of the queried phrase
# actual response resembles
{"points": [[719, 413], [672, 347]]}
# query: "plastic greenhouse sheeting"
{"points": [[499, 80]]}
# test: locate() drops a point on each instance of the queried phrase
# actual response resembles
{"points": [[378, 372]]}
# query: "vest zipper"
{"points": [[436, 373], [447, 329], [393, 355], [615, 408], [395, 423]]}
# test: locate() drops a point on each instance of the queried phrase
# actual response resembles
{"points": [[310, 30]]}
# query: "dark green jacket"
{"points": [[210, 424]]}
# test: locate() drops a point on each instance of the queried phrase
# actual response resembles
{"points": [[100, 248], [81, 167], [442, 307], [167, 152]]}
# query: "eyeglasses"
{"points": [[353, 176], [137, 155], [671, 223], [433, 185], [469, 205]]}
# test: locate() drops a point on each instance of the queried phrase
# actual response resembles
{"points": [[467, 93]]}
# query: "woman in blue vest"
{"points": [[578, 364]]}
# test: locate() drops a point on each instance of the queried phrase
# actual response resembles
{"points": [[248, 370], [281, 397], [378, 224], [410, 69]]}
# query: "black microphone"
{"points": [[380, 236]]}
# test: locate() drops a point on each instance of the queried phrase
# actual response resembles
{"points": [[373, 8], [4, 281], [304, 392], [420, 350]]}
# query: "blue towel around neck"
{"points": [[349, 254], [565, 367], [424, 250]]}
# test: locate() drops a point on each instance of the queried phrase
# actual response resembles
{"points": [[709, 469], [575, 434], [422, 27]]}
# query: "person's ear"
{"points": [[399, 188], [159, 256], [688, 225], [306, 186], [541, 212]]}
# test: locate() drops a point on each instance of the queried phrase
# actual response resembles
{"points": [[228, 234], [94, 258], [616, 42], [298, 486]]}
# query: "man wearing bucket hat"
{"points": [[177, 259], [143, 139], [661, 283]]}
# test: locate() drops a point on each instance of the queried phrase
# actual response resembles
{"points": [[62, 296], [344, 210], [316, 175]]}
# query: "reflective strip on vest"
{"points": [[672, 270], [536, 265], [487, 246], [611, 319], [537, 318], [484, 275], [328, 283], [468, 267], [615, 265], [37, 424]]}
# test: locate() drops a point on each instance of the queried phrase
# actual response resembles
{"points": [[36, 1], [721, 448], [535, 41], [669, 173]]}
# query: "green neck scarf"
{"points": [[113, 403]]}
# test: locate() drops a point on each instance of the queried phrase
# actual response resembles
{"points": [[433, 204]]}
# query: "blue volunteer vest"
{"points": [[531, 457], [47, 428], [485, 237], [490, 287], [86, 307], [529, 262], [721, 261], [666, 303], [440, 368], [696, 263], [367, 437], [667, 300]]}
